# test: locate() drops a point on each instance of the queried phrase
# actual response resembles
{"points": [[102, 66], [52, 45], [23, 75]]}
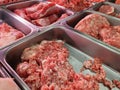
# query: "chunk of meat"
{"points": [[107, 9], [45, 20], [8, 34], [21, 69], [48, 9], [8, 84], [111, 35], [21, 13], [92, 24], [30, 53]]}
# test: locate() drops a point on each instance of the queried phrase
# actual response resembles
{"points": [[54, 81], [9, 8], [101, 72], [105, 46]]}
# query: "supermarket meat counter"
{"points": [[60, 45]]}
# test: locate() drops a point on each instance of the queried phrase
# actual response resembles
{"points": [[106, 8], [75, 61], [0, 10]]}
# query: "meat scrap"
{"points": [[41, 14], [8, 34], [100, 76], [45, 66]]}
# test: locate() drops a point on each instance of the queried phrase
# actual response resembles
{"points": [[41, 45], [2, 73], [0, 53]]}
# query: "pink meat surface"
{"points": [[45, 21], [92, 24], [7, 84], [8, 34]]}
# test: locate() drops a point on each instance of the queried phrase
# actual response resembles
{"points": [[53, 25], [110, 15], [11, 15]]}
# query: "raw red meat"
{"points": [[8, 1], [110, 10], [45, 20], [42, 14], [21, 13], [92, 24], [63, 16], [111, 35], [107, 9], [76, 5], [8, 34], [7, 84], [47, 10], [34, 8], [117, 83], [48, 69], [117, 1]]}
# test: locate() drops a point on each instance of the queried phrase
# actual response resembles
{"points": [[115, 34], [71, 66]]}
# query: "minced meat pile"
{"points": [[45, 66]]}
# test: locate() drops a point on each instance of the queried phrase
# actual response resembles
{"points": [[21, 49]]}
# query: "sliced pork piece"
{"points": [[107, 9], [111, 35], [21, 13], [34, 8], [7, 84], [92, 24], [45, 20], [48, 9]]}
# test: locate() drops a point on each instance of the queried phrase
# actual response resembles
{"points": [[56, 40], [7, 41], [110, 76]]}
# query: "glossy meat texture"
{"points": [[41, 14], [8, 34], [7, 84], [92, 24], [45, 66]]}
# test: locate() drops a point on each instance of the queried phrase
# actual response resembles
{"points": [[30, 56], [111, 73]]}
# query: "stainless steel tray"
{"points": [[97, 6], [20, 5], [17, 23], [74, 19], [77, 45]]}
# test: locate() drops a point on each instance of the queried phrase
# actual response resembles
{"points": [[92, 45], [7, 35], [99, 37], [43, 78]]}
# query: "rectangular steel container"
{"points": [[76, 43], [97, 6], [74, 19], [15, 22]]}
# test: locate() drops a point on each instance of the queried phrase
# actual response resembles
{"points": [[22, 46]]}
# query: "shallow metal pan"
{"points": [[16, 23], [75, 42], [97, 6], [74, 19], [20, 5]]}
